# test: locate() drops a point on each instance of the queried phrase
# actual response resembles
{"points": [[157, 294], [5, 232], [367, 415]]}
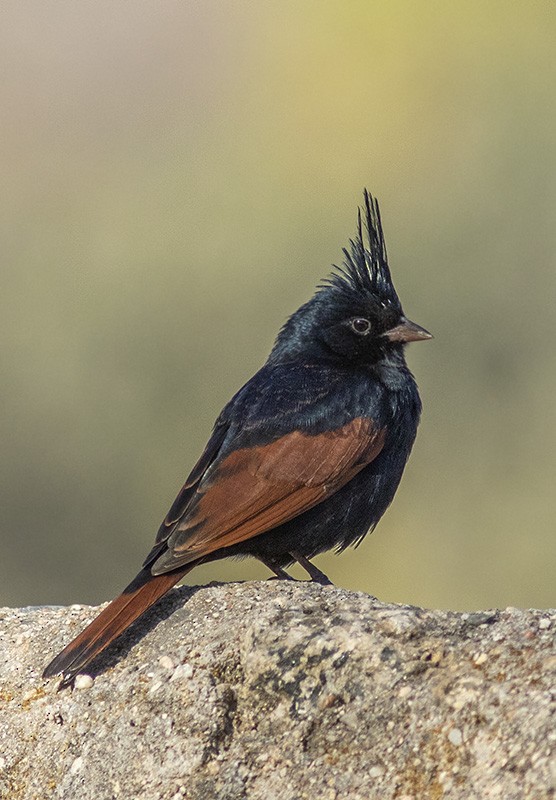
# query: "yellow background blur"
{"points": [[178, 176]]}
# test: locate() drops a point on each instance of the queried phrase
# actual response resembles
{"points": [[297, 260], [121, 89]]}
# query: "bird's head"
{"points": [[356, 315]]}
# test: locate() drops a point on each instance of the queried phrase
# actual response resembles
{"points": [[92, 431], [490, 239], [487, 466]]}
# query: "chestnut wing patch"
{"points": [[256, 489]]}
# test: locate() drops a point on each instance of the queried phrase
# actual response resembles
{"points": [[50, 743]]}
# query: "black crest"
{"points": [[365, 269]]}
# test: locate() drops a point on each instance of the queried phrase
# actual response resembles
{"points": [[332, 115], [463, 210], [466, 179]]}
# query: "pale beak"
{"points": [[407, 331]]}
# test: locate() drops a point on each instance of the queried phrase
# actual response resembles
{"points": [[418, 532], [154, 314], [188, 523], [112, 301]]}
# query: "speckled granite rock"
{"points": [[283, 690]]}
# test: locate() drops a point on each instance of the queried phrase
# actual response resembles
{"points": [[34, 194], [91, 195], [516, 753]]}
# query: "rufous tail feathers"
{"points": [[140, 595]]}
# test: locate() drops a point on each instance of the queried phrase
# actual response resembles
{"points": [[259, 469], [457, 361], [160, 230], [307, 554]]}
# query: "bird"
{"points": [[307, 455]]}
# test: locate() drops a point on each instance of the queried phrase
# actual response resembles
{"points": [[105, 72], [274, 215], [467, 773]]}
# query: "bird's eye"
{"points": [[360, 325]]}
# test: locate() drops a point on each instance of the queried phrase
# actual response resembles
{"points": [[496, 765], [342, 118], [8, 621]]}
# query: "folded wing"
{"points": [[255, 489]]}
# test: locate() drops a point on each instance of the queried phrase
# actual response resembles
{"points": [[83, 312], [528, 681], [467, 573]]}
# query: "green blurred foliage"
{"points": [[177, 177]]}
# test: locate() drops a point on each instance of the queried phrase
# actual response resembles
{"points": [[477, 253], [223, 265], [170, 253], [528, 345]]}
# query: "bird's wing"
{"points": [[254, 489], [187, 491]]}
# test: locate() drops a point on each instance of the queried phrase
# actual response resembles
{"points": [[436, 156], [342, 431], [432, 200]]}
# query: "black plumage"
{"points": [[306, 457]]}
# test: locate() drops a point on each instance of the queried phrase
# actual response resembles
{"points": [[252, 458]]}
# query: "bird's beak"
{"points": [[407, 331]]}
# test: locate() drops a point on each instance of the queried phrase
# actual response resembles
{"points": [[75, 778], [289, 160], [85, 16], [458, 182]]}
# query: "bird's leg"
{"points": [[316, 575], [280, 573]]}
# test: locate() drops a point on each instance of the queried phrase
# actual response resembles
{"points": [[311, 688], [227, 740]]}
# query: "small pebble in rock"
{"points": [[328, 700], [455, 737], [436, 657], [166, 662], [350, 720], [544, 623], [77, 765], [83, 681], [182, 671], [480, 658]]}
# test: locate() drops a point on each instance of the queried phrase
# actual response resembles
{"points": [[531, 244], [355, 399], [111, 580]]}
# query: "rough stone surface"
{"points": [[283, 690]]}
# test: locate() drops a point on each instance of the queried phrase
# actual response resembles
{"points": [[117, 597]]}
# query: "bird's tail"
{"points": [[141, 593]]}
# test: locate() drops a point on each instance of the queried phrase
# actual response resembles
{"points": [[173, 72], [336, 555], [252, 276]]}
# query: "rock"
{"points": [[283, 690]]}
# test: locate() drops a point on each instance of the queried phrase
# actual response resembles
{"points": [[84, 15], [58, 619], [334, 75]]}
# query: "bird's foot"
{"points": [[316, 575], [279, 573]]}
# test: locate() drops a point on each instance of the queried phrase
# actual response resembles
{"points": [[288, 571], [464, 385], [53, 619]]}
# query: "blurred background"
{"points": [[177, 177]]}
